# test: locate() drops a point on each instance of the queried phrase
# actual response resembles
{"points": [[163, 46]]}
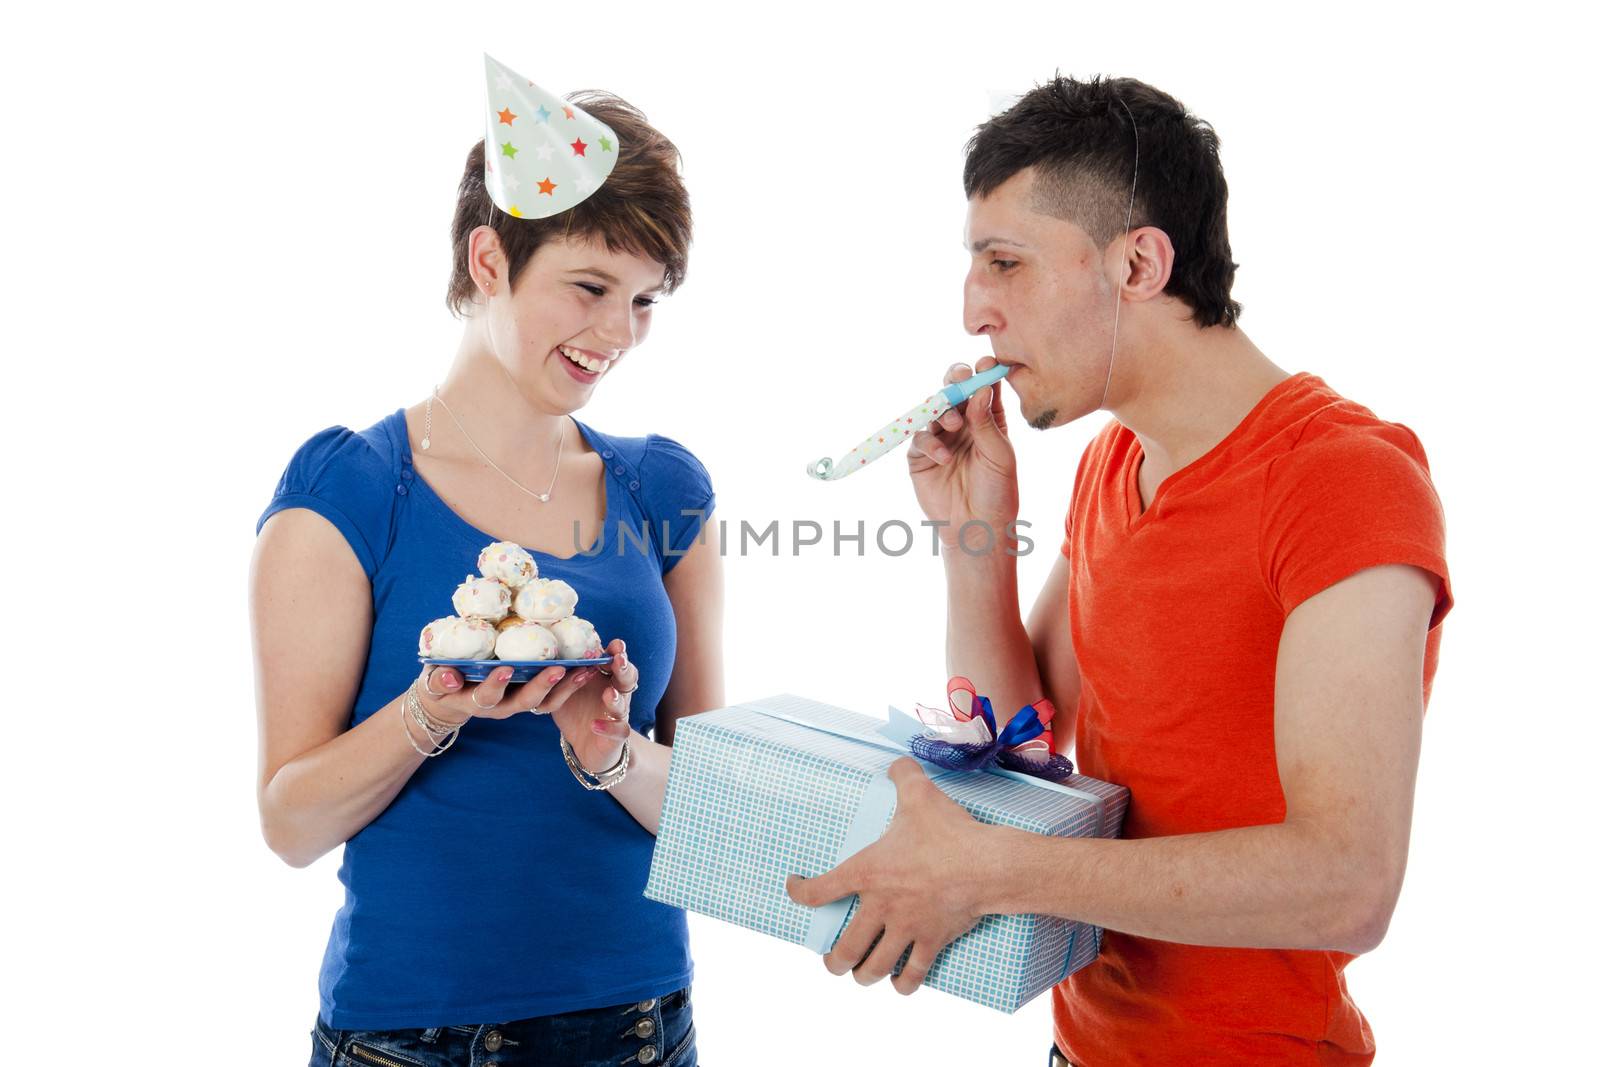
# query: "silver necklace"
{"points": [[427, 443]]}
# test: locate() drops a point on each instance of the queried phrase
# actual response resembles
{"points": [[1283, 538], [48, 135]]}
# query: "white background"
{"points": [[226, 228]]}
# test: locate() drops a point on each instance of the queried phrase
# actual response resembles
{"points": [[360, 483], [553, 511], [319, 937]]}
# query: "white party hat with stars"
{"points": [[541, 155]]}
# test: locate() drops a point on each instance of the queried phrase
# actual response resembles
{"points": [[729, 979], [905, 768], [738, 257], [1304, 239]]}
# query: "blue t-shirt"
{"points": [[494, 887]]}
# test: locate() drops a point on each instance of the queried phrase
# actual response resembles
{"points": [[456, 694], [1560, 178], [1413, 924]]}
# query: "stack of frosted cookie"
{"points": [[507, 612]]}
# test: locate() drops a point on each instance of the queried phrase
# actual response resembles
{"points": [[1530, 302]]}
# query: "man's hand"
{"points": [[919, 885], [962, 466]]}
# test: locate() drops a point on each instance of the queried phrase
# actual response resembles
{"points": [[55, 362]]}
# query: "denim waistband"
{"points": [[430, 1034]]}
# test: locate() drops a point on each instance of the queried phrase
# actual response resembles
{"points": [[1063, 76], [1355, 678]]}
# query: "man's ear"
{"points": [[1147, 259]]}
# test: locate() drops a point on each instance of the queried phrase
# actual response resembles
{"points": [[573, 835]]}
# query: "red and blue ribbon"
{"points": [[972, 742]]}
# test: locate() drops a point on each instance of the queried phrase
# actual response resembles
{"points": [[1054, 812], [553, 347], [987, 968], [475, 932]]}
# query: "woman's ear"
{"points": [[486, 261]]}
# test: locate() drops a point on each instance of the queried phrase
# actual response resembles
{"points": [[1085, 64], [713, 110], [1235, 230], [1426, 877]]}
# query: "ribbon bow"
{"points": [[964, 738]]}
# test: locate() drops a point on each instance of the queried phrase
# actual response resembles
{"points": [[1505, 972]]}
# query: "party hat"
{"points": [[541, 154]]}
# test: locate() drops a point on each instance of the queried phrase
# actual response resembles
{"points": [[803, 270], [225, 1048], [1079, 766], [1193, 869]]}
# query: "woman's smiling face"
{"points": [[575, 310]]}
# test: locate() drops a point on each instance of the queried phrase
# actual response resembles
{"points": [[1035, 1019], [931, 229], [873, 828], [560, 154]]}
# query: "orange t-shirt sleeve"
{"points": [[1347, 499]]}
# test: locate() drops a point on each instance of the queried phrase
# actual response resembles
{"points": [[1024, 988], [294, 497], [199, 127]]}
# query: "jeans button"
{"points": [[492, 1041], [646, 1005], [645, 1027], [648, 1054]]}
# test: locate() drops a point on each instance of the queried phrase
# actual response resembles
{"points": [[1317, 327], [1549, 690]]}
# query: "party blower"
{"points": [[900, 430]]}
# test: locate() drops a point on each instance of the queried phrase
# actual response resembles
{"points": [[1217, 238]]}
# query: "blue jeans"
{"points": [[651, 1033]]}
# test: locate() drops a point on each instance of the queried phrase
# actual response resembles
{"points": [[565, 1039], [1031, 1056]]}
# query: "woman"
{"points": [[493, 899]]}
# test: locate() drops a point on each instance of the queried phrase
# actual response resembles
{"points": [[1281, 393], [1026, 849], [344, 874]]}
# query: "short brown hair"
{"points": [[1081, 135], [641, 208]]}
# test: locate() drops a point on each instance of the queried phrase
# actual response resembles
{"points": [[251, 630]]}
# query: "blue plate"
{"points": [[476, 670]]}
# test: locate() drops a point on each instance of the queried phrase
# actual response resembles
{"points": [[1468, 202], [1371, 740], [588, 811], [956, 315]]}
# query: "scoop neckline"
{"points": [[482, 537], [1136, 517]]}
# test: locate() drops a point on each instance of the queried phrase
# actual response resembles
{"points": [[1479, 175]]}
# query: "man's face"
{"points": [[1042, 292]]}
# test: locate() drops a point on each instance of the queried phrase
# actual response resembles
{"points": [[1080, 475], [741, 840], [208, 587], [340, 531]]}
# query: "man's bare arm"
{"points": [[1348, 728], [1050, 634]]}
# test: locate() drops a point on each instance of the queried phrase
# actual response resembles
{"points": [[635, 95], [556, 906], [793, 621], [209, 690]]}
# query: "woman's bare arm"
{"points": [[320, 780]]}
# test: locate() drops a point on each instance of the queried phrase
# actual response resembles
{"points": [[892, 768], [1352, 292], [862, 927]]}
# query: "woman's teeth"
{"points": [[588, 363]]}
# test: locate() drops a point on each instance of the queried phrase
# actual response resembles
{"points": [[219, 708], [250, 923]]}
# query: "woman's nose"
{"points": [[616, 331]]}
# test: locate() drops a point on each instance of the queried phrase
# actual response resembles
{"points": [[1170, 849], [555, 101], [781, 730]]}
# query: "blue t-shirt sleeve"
{"points": [[677, 496], [340, 475]]}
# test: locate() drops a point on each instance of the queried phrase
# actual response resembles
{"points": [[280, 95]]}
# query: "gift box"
{"points": [[786, 785]]}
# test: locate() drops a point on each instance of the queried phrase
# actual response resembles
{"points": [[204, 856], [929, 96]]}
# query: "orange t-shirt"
{"points": [[1176, 615]]}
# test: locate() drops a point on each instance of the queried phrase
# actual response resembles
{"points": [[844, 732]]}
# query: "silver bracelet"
{"points": [[607, 778], [437, 729], [405, 724], [409, 711]]}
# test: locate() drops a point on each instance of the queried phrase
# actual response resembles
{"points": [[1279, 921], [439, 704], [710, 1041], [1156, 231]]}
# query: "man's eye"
{"points": [[1003, 265]]}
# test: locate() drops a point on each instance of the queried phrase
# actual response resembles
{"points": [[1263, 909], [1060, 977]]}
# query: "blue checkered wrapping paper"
{"points": [[752, 798]]}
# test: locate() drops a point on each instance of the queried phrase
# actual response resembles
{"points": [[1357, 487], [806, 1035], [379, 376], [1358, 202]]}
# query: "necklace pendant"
{"points": [[544, 498], [427, 442]]}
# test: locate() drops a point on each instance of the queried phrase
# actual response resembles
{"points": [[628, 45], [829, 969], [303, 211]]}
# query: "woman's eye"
{"points": [[645, 302], [592, 290]]}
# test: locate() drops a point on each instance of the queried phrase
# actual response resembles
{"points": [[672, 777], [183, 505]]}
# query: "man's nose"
{"points": [[978, 312]]}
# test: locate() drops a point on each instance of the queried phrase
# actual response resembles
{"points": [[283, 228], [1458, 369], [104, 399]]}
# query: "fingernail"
{"points": [[624, 646], [556, 674], [452, 682], [598, 726], [624, 659], [503, 674]]}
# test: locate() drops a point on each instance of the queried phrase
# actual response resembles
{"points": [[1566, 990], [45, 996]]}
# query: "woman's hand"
{"points": [[448, 699], [594, 717], [963, 468]]}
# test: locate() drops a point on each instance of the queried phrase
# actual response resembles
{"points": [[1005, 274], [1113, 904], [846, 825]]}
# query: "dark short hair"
{"points": [[642, 208], [1080, 137]]}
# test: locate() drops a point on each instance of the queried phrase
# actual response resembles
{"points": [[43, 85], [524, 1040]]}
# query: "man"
{"points": [[1242, 626]]}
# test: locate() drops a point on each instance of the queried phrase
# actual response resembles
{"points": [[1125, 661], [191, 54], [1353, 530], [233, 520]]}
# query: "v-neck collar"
{"points": [[1137, 518]]}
